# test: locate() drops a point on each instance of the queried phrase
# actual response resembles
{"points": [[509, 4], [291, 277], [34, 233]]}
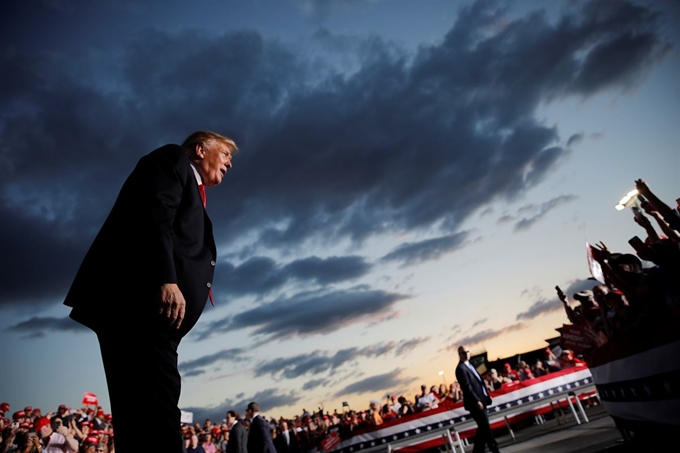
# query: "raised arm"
{"points": [[662, 208], [644, 222]]}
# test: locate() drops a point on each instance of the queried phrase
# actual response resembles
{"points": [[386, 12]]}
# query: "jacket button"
{"points": [[212, 263], [208, 284]]}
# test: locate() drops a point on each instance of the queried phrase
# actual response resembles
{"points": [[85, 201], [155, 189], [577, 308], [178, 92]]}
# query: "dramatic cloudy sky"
{"points": [[413, 175]]}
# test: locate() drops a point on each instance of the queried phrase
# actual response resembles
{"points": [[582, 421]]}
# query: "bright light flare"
{"points": [[628, 200]]}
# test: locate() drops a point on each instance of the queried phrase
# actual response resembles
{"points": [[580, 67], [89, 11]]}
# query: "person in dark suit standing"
{"points": [[146, 278], [475, 400], [260, 431], [286, 441], [238, 435]]}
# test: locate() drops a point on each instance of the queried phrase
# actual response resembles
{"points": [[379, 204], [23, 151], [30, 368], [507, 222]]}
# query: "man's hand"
{"points": [[642, 220], [172, 304], [642, 187], [480, 406], [63, 430], [600, 252]]}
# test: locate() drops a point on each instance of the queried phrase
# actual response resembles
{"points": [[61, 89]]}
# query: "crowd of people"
{"points": [[85, 430], [631, 295], [638, 288], [90, 430]]}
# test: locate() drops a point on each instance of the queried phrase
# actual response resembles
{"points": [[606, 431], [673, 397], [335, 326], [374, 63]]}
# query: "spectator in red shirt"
{"points": [[569, 361]]}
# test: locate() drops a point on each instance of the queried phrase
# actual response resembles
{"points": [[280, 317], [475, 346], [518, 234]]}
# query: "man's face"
{"points": [[464, 353], [45, 431], [215, 160]]}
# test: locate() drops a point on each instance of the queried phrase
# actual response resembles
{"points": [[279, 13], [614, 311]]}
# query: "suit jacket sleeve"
{"points": [[464, 381], [472, 391], [243, 440]]}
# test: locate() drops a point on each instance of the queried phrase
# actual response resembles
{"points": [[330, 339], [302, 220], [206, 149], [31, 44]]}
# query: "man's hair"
{"points": [[254, 407], [207, 137], [233, 414]]}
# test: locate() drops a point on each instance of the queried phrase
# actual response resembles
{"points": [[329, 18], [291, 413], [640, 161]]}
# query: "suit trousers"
{"points": [[143, 381], [484, 435]]}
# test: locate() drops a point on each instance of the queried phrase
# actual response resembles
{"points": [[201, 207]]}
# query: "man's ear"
{"points": [[199, 151]]}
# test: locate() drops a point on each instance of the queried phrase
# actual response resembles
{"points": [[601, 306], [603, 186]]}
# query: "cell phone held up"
{"points": [[637, 212], [560, 294], [637, 244]]}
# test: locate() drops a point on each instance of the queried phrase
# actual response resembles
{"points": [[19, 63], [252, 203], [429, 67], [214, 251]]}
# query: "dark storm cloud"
{"points": [[615, 59], [257, 275], [309, 313], [38, 261], [268, 399], [574, 140], [318, 362], [430, 249], [260, 275], [330, 270], [37, 326], [314, 383], [543, 306], [403, 144], [526, 222], [225, 355], [407, 346], [321, 9], [376, 384]]}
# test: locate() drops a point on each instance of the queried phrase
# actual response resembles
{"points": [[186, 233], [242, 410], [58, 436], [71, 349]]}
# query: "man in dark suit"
{"points": [[260, 432], [238, 435], [285, 441], [475, 400], [146, 278]]}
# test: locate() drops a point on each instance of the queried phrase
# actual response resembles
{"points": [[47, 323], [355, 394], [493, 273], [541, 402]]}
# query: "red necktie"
{"points": [[201, 188]]}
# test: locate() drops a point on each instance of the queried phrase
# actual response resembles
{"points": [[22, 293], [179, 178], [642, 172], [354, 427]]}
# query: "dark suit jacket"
{"points": [[282, 446], [260, 436], [472, 387], [238, 439], [157, 232]]}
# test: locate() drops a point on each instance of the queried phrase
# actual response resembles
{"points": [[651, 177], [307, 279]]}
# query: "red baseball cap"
{"points": [[92, 440], [39, 423], [4, 407], [18, 414]]}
